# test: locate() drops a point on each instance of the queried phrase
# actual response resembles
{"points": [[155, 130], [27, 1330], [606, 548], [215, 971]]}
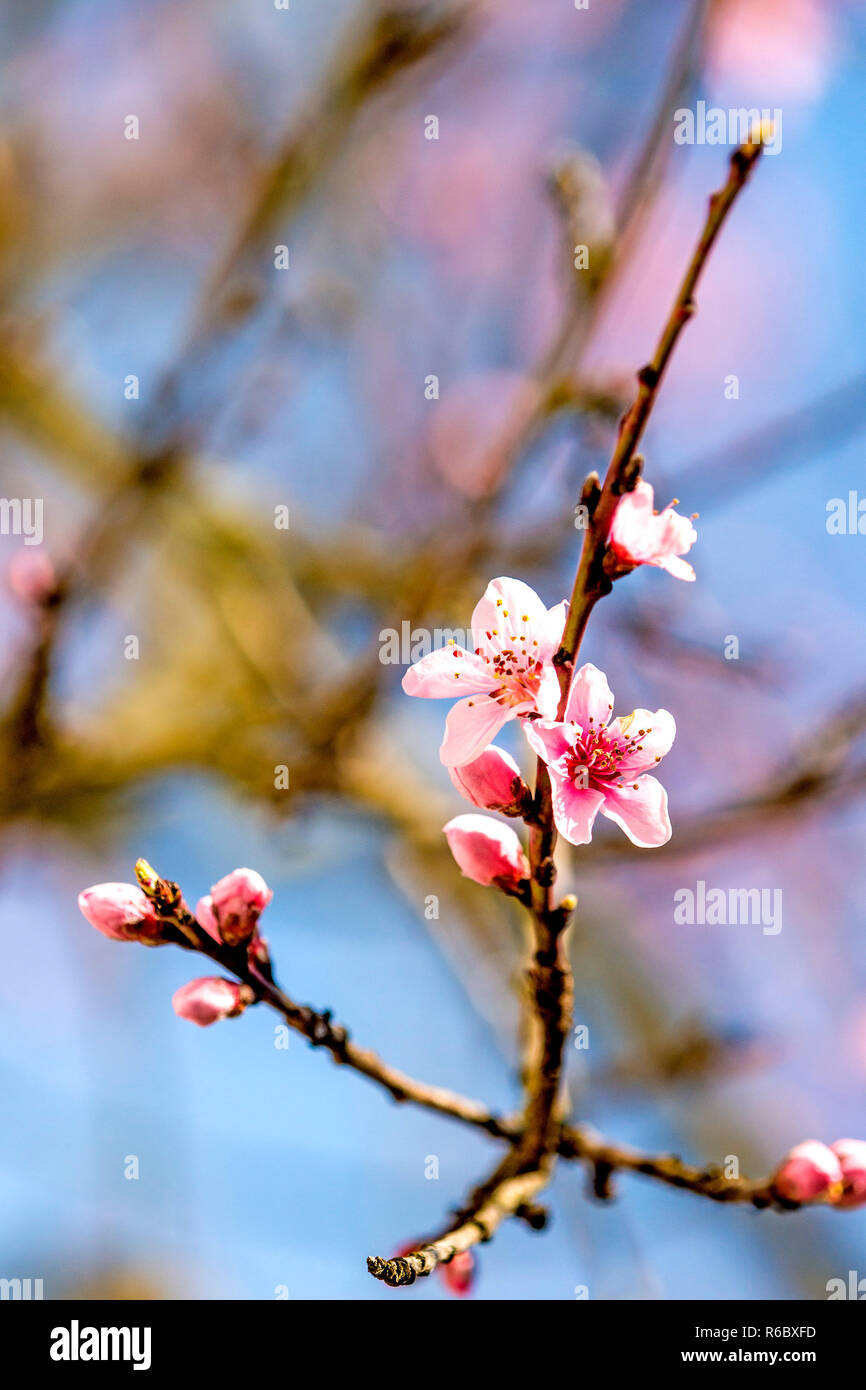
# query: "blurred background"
{"points": [[167, 382]]}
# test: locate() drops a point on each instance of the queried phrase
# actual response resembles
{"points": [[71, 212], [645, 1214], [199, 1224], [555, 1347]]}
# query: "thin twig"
{"points": [[505, 1200], [591, 582]]}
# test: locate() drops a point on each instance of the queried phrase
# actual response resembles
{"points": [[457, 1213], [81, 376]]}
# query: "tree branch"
{"points": [[505, 1200]]}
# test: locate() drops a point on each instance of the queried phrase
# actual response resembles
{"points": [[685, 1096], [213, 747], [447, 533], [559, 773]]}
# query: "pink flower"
{"points": [[851, 1154], [459, 1273], [809, 1171], [639, 535], [509, 673], [491, 781], [235, 904], [122, 912], [598, 765], [487, 852], [209, 999]]}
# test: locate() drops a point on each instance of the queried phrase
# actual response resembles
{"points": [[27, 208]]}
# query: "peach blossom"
{"points": [[510, 672], [599, 764]]}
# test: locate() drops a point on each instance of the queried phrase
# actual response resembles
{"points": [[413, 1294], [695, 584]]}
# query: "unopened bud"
{"points": [[492, 781], [31, 576], [487, 852], [236, 903], [851, 1154], [122, 912], [810, 1171], [210, 999], [459, 1273]]}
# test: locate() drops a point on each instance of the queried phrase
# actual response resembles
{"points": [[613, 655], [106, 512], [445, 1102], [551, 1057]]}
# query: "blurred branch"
{"points": [[389, 42]]}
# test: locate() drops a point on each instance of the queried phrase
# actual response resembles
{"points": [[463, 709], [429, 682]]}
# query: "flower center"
{"points": [[515, 665], [598, 754]]}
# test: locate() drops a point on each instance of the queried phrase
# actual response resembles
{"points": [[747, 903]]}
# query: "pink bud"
{"points": [[122, 912], [205, 918], [31, 575], [491, 781], [459, 1273], [809, 1171], [851, 1154], [209, 999], [237, 902], [486, 851]]}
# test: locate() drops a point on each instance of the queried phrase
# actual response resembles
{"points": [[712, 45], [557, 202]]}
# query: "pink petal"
{"points": [[590, 700], [634, 523], [661, 732], [546, 738], [642, 814], [548, 695], [433, 677], [574, 808], [471, 725], [550, 631], [505, 602], [680, 569], [205, 918]]}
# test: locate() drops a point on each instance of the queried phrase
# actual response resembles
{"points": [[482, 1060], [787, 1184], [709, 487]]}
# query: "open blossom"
{"points": [[509, 673], [601, 764], [122, 912], [209, 999], [639, 535], [231, 910], [491, 781], [809, 1171], [487, 851], [851, 1154]]}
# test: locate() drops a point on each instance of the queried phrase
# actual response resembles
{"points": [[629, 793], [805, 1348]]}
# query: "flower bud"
{"points": [[459, 1273], [209, 999], [236, 903], [122, 912], [851, 1154], [487, 852], [811, 1170], [205, 918], [491, 781], [31, 576]]}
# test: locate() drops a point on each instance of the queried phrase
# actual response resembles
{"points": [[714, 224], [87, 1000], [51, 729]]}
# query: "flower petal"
{"points": [[574, 808], [547, 738], [551, 630], [641, 813], [680, 569], [649, 747], [433, 677], [633, 527], [548, 693], [590, 700], [472, 725], [501, 613]]}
